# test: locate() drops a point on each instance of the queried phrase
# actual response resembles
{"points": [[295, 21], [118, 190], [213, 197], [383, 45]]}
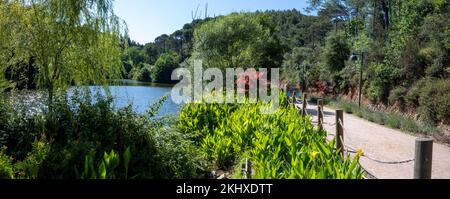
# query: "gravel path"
{"points": [[384, 144]]}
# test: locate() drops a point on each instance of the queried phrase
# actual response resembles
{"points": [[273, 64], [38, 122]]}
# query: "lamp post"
{"points": [[354, 57]]}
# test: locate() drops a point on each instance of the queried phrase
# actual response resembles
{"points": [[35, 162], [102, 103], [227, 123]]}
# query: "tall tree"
{"points": [[70, 41], [162, 71], [236, 40], [296, 65]]}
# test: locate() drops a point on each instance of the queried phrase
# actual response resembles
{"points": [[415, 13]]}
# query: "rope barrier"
{"points": [[342, 141], [375, 159], [323, 122], [345, 131], [367, 156], [306, 111], [353, 150], [368, 172], [387, 162]]}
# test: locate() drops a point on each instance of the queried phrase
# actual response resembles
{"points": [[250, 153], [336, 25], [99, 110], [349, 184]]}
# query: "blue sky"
{"points": [[148, 19]]}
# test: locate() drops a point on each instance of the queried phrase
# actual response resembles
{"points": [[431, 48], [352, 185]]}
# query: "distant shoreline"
{"points": [[130, 82]]}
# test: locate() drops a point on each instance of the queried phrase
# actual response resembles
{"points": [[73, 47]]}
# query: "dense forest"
{"points": [[405, 48], [154, 62], [286, 30]]}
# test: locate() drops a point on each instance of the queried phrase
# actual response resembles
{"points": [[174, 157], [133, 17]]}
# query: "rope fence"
{"points": [[423, 153]]}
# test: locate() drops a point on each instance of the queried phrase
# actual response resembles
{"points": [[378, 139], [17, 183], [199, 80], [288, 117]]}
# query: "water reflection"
{"points": [[139, 94]]}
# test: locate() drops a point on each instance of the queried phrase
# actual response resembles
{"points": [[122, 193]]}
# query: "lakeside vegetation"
{"points": [[405, 46], [54, 44], [71, 141], [83, 139]]}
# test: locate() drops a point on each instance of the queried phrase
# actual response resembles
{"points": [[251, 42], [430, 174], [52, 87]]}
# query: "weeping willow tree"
{"points": [[4, 84], [69, 42]]}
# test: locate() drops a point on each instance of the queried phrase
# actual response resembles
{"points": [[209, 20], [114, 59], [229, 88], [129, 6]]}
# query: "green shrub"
{"points": [[379, 118], [104, 169], [280, 145], [413, 96], [18, 129], [393, 121], [295, 150], [409, 125], [435, 101], [398, 95], [29, 167], [367, 114], [6, 167], [358, 113], [177, 155], [83, 124], [380, 85], [347, 107], [220, 149]]}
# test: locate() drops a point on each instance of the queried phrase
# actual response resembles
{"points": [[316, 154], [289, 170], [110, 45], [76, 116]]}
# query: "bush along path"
{"points": [[388, 153], [280, 145]]}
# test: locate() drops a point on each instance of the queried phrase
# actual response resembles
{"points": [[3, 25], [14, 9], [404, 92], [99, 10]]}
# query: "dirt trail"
{"points": [[384, 144]]}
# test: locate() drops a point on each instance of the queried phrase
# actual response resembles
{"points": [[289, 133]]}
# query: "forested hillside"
{"points": [[404, 46], [140, 59], [277, 32], [406, 49]]}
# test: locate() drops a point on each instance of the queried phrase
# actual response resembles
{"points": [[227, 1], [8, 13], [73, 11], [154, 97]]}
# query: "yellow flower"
{"points": [[360, 152], [314, 154]]}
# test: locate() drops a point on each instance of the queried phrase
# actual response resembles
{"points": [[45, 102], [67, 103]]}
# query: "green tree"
{"points": [[70, 41], [4, 84], [143, 74], [296, 65], [151, 53], [336, 52], [236, 40], [162, 71]]}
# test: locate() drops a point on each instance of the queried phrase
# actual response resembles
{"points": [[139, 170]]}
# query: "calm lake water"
{"points": [[140, 95], [125, 92]]}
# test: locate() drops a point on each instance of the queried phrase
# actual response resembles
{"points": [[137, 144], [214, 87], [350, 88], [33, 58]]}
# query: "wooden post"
{"points": [[424, 158], [249, 169], [293, 98], [340, 131], [320, 113], [244, 168], [305, 97], [287, 98]]}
